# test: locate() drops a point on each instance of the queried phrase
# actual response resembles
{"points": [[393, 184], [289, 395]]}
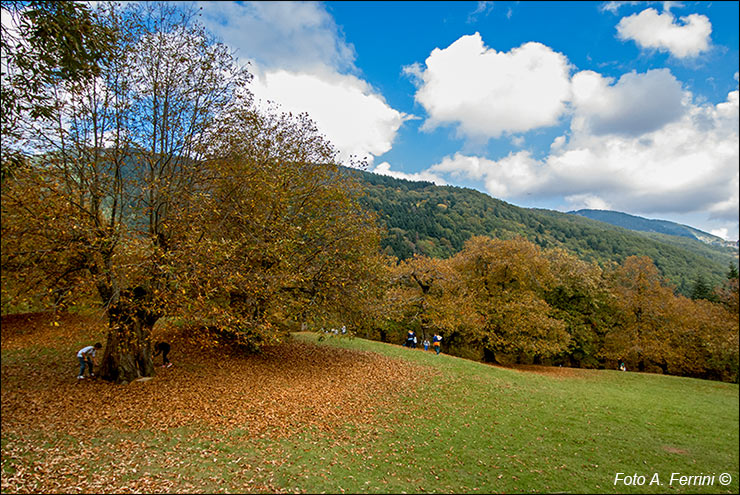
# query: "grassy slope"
{"points": [[457, 426], [481, 428]]}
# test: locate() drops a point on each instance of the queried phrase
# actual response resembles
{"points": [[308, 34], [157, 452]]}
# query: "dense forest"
{"points": [[422, 218], [511, 301]]}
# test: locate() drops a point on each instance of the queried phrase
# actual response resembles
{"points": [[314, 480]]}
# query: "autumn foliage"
{"points": [[510, 301]]}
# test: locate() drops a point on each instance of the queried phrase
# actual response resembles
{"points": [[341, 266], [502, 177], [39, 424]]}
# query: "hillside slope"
{"points": [[422, 218]]}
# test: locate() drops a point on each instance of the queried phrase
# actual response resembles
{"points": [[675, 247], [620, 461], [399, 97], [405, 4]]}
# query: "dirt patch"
{"points": [[554, 371], [674, 450]]}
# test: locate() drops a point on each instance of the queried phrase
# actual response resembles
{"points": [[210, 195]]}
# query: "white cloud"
{"points": [[484, 8], [302, 63], [288, 35], [487, 93], [557, 143], [587, 201], [460, 165], [693, 158], [649, 29], [354, 118], [636, 104], [614, 7], [685, 166], [669, 4], [513, 176], [385, 169]]}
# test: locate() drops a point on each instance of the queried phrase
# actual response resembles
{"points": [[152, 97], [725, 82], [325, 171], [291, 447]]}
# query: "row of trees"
{"points": [[511, 301], [153, 183]]}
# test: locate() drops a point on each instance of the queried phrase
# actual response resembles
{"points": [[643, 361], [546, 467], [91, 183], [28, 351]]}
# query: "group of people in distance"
{"points": [[411, 341], [86, 357]]}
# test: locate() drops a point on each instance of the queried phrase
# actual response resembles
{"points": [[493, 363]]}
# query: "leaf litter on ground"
{"points": [[288, 389]]}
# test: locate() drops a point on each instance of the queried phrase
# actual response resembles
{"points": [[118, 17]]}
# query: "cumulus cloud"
{"points": [[686, 165], [651, 30], [634, 105], [357, 120], [302, 63], [587, 201], [512, 176], [287, 35], [385, 169], [486, 93]]}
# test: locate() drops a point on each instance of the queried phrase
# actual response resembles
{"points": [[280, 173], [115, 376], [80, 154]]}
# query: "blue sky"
{"points": [[630, 106]]}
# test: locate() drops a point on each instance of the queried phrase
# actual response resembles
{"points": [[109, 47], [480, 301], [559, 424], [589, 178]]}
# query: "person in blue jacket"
{"points": [[437, 342]]}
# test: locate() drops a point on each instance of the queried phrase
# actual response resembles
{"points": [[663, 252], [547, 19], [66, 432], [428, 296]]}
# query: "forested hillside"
{"points": [[422, 218]]}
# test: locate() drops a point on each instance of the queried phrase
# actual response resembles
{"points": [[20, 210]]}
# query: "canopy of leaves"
{"points": [[510, 301], [43, 44]]}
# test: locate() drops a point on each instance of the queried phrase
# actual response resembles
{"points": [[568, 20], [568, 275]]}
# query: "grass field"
{"points": [[349, 415]]}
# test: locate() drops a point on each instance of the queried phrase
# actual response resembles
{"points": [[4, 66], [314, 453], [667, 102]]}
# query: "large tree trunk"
{"points": [[128, 352]]}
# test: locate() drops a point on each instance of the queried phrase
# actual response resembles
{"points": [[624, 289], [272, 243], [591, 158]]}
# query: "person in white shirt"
{"points": [[86, 356]]}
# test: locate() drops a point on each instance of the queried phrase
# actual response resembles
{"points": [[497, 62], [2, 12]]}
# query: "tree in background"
{"points": [[732, 271], [702, 290], [705, 340], [646, 316], [728, 294], [507, 282], [579, 298], [425, 295]]}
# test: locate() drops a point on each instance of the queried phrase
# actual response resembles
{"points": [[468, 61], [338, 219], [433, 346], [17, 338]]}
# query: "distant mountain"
{"points": [[640, 224], [422, 218]]}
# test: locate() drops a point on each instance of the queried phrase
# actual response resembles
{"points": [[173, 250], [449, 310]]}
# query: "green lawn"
{"points": [[459, 426], [483, 428]]}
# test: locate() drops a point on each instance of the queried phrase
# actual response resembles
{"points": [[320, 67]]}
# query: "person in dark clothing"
{"points": [[437, 342], [411, 339], [164, 349]]}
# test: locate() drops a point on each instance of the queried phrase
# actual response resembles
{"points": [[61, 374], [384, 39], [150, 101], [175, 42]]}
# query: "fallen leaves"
{"points": [[285, 390]]}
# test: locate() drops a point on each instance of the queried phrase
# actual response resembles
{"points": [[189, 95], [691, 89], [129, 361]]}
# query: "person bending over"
{"points": [[164, 349]]}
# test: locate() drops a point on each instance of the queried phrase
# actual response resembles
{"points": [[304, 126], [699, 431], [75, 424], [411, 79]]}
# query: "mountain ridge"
{"points": [[641, 224], [422, 218]]}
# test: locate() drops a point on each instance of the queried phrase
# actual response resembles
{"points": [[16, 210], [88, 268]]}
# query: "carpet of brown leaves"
{"points": [[283, 391]]}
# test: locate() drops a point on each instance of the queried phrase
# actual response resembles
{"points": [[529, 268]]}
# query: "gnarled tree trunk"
{"points": [[128, 352]]}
